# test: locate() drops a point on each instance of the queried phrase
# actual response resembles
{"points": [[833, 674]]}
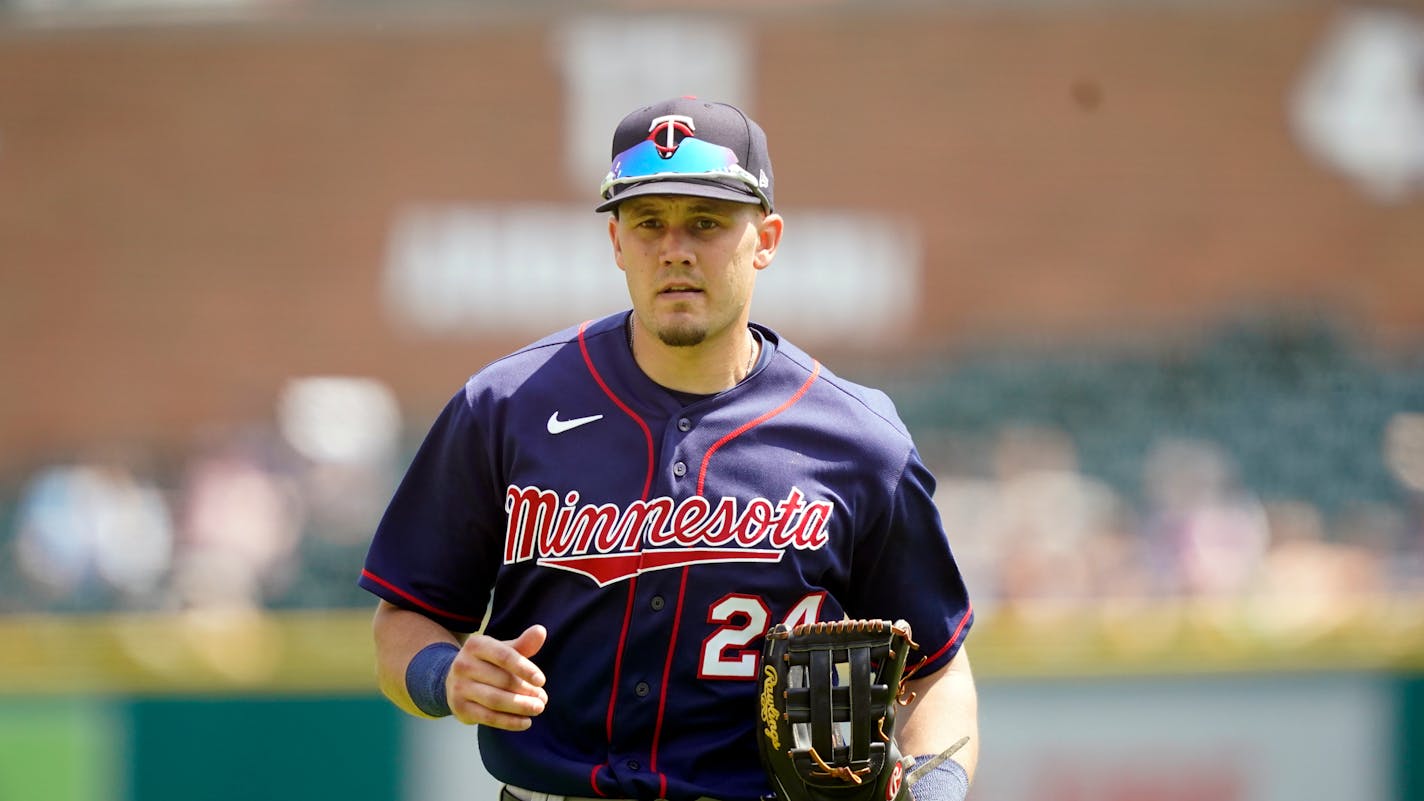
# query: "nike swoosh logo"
{"points": [[557, 426]]}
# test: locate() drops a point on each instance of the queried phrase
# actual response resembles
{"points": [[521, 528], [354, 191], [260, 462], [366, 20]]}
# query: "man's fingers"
{"points": [[503, 655], [470, 669], [489, 712], [487, 704], [529, 643], [494, 683], [484, 693]]}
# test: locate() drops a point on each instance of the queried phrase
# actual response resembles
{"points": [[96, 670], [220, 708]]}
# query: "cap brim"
{"points": [[690, 188]]}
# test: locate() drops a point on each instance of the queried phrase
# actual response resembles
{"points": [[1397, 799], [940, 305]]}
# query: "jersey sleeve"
{"points": [[905, 569], [435, 550]]}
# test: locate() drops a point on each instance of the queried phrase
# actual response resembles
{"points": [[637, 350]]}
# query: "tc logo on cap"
{"points": [[668, 131]]}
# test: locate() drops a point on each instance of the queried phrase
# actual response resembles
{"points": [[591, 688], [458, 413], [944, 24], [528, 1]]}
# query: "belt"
{"points": [[511, 793]]}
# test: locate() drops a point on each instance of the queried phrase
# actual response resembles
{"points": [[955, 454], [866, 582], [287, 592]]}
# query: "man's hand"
{"points": [[493, 682]]}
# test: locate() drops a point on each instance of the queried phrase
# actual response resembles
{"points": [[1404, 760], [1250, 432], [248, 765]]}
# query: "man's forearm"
{"points": [[400, 634], [944, 710]]}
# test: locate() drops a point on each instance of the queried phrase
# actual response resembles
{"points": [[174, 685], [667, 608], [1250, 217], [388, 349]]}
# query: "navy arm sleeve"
{"points": [[435, 550], [906, 569]]}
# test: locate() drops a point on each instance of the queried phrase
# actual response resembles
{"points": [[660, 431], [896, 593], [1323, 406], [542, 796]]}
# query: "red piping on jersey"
{"points": [[618, 655], [745, 427], [953, 638], [593, 780], [647, 433], [423, 605], [632, 583], [667, 670]]}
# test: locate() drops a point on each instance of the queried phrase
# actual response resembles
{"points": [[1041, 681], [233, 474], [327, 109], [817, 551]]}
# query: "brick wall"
{"points": [[190, 215]]}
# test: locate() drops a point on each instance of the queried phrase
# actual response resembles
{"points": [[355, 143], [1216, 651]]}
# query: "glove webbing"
{"points": [[822, 705]]}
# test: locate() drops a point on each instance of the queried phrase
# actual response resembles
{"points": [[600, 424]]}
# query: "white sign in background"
{"points": [[477, 271], [614, 63]]}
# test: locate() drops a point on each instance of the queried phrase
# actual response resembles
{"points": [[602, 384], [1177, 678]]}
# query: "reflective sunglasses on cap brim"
{"points": [[693, 158]]}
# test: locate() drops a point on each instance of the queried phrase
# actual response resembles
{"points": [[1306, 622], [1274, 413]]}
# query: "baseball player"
{"points": [[630, 504]]}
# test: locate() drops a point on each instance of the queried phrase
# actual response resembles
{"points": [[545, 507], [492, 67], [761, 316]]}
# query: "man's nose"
{"points": [[675, 247]]}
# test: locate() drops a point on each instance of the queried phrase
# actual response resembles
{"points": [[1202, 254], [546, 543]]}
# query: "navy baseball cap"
{"points": [[687, 146]]}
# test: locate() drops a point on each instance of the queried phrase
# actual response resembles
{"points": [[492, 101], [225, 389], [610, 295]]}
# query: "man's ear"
{"points": [[768, 240], [617, 244]]}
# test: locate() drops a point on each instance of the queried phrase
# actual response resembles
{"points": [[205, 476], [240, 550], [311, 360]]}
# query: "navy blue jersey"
{"points": [[657, 540]]}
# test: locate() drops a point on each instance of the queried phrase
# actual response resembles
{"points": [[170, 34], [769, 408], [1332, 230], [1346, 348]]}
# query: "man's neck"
{"points": [[703, 369]]}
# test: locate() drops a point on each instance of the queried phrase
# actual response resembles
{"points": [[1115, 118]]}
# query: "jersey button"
{"points": [[657, 603], [634, 764], [679, 469], [642, 689], [684, 425]]}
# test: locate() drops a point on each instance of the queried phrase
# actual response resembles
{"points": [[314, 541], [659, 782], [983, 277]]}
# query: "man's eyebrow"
{"points": [[637, 206], [706, 207]]}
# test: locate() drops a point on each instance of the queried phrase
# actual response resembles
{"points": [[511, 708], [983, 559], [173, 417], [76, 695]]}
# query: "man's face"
{"points": [[691, 263]]}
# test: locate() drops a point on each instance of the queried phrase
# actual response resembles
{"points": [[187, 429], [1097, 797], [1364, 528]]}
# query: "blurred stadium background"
{"points": [[1145, 277]]}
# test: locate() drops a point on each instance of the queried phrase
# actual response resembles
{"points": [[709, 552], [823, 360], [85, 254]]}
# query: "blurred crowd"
{"points": [[1284, 466], [1038, 529], [1275, 464], [271, 515]]}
